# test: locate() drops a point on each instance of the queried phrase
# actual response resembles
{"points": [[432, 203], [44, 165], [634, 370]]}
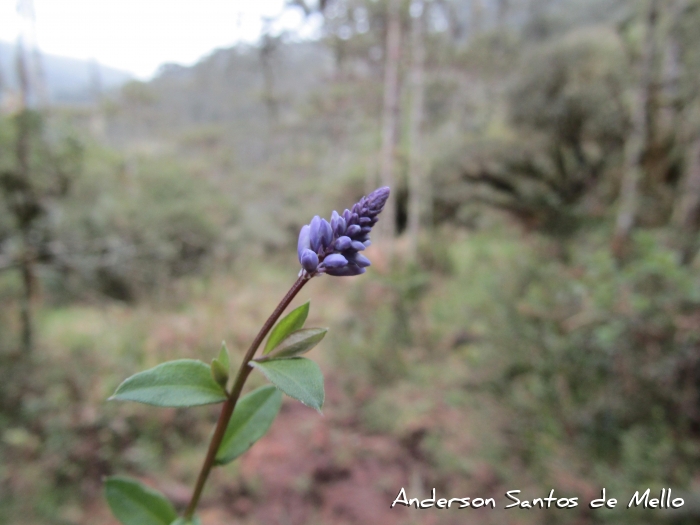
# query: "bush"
{"points": [[133, 226], [597, 361]]}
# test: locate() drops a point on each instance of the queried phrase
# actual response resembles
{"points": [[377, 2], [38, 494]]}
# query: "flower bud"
{"points": [[335, 260], [360, 260], [342, 243], [315, 233], [303, 240], [309, 260], [345, 271], [326, 233]]}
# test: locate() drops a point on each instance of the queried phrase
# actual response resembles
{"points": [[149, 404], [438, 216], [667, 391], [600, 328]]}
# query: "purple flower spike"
{"points": [[309, 261], [334, 247]]}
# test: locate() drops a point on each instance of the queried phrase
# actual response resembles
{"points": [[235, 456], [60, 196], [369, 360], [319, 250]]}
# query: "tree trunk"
{"points": [[635, 145], [417, 187], [687, 202], [476, 25], [390, 115], [269, 98], [672, 110], [22, 155], [26, 321], [503, 8], [687, 211]]}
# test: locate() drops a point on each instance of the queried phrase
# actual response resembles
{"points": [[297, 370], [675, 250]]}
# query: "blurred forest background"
{"points": [[532, 317]]}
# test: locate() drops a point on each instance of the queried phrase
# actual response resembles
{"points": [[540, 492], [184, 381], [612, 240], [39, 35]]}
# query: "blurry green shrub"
{"points": [[597, 362], [434, 252], [554, 165], [133, 226], [386, 320]]}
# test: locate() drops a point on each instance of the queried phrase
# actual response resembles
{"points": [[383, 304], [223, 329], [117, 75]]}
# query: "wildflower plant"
{"points": [[324, 247]]}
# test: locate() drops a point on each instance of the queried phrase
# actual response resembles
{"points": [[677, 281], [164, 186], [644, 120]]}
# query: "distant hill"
{"points": [[69, 81], [232, 93]]}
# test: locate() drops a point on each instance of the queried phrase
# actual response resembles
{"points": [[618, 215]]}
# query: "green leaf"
{"points": [[297, 377], [299, 342], [223, 357], [187, 521], [133, 503], [181, 383], [252, 417], [219, 373], [291, 322]]}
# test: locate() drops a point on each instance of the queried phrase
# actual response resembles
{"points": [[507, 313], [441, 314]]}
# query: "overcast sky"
{"points": [[140, 35]]}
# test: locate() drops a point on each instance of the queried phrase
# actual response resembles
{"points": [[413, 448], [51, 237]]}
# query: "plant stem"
{"points": [[232, 398]]}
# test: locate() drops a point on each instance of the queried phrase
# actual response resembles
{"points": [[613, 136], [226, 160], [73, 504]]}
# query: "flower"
{"points": [[334, 247]]}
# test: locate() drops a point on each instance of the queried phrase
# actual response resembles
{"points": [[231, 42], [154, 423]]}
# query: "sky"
{"points": [[139, 35]]}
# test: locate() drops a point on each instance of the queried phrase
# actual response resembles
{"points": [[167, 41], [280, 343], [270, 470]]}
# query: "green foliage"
{"points": [[535, 360], [388, 323], [554, 164], [251, 419], [38, 162], [298, 342], [133, 503], [297, 377], [294, 320], [594, 357], [138, 94], [181, 383], [36, 173], [572, 86], [134, 225]]}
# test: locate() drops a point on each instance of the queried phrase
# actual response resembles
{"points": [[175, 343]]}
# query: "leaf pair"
{"points": [[297, 377], [289, 339], [188, 382]]}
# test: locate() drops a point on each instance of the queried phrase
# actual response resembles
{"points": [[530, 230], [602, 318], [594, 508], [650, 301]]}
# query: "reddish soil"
{"points": [[315, 469]]}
